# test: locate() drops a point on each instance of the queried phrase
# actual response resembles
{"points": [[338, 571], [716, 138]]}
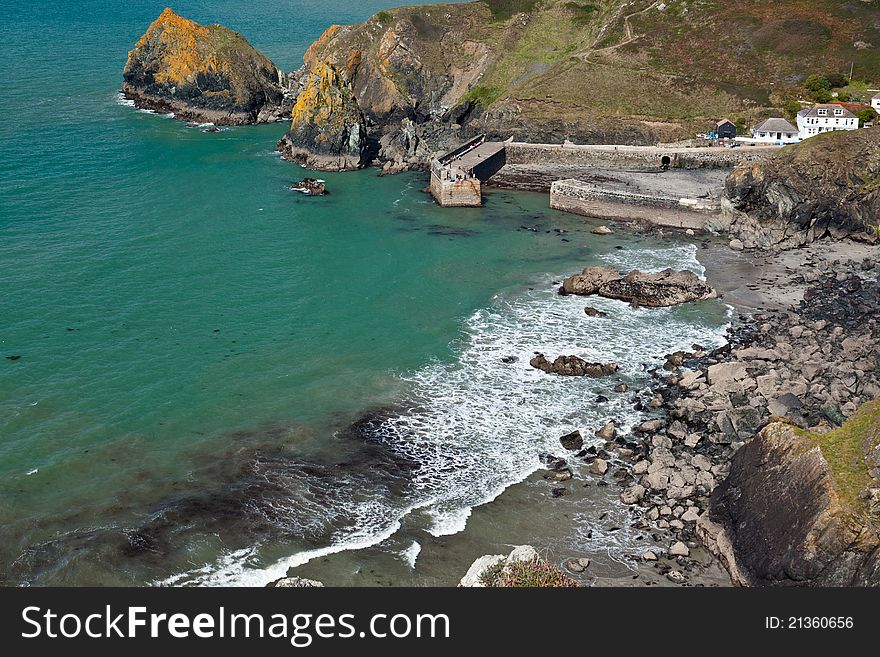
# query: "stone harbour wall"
{"points": [[592, 201], [634, 157]]}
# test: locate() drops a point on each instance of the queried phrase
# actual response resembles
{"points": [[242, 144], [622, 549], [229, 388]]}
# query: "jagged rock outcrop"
{"points": [[828, 185], [204, 73], [801, 508], [328, 131], [654, 290]]}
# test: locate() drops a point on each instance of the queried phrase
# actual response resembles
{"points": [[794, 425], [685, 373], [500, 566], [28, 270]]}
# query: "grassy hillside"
{"points": [[676, 63]]}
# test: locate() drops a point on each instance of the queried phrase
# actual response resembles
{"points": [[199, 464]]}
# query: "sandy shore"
{"points": [[758, 280]]}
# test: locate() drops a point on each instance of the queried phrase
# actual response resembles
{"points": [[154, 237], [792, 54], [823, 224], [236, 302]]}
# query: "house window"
{"points": [[838, 112], [823, 112]]}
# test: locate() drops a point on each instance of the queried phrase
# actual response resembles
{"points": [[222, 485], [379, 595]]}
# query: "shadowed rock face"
{"points": [[328, 131], [803, 509], [828, 185], [203, 73]]}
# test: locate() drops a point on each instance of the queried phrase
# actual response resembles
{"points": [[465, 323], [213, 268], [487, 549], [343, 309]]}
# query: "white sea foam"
{"points": [[411, 553], [477, 426]]}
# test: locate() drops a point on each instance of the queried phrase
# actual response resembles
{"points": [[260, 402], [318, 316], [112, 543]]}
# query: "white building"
{"points": [[875, 103], [825, 118], [775, 131]]}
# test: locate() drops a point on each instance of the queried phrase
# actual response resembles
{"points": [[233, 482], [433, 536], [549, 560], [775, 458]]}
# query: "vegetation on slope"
{"points": [[676, 65]]}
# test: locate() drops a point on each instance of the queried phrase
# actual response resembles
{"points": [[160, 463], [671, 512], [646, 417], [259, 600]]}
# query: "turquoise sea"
{"points": [[214, 378]]}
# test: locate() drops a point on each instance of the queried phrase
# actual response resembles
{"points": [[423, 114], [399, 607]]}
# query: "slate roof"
{"points": [[776, 125]]}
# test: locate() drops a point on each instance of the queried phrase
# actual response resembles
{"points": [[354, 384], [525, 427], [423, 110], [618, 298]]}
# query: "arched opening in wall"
{"points": [[665, 161]]}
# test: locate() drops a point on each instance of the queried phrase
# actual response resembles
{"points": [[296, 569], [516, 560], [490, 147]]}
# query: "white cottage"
{"points": [[775, 131], [825, 118], [875, 103]]}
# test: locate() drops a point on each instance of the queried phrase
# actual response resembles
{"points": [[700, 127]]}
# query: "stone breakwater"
{"points": [[811, 366]]}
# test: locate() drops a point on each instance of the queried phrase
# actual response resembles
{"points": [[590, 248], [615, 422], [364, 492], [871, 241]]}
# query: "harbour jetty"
{"points": [[457, 177]]}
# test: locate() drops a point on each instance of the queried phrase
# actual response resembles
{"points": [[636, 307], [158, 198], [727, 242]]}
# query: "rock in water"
{"points": [[589, 280], [572, 441], [573, 366], [665, 288], [800, 508], [310, 187], [203, 73], [328, 131]]}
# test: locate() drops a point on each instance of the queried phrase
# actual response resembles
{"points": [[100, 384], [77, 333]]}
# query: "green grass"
{"points": [[384, 17], [504, 9], [844, 450], [483, 96], [582, 13]]}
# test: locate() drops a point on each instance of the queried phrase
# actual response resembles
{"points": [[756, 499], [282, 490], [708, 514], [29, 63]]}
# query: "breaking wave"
{"points": [[474, 427]]}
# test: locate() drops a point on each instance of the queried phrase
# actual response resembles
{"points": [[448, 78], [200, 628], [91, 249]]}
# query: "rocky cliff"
{"points": [[801, 508], [328, 130], [828, 185], [606, 71], [204, 73]]}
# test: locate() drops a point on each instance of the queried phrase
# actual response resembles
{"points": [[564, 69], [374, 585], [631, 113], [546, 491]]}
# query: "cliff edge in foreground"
{"points": [[801, 508], [203, 73], [828, 185]]}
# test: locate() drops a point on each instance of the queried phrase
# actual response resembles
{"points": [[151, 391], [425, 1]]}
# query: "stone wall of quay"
{"points": [[464, 192], [591, 201], [634, 157]]}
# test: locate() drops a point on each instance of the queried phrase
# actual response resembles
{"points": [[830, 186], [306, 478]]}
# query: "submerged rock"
{"points": [[328, 131], [203, 73], [573, 366]]}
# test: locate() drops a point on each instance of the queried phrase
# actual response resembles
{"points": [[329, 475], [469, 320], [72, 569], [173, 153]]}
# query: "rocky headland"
{"points": [[826, 186], [204, 73]]}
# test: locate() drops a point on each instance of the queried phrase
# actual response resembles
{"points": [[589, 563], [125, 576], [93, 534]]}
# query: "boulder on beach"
{"points": [[573, 366]]}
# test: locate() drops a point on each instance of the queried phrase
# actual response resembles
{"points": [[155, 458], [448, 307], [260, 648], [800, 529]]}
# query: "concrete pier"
{"points": [[457, 176]]}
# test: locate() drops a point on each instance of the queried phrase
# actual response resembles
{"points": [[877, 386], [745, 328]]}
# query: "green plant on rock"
{"points": [[526, 574]]}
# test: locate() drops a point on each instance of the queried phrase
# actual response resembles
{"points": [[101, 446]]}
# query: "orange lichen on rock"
{"points": [[207, 73], [185, 44]]}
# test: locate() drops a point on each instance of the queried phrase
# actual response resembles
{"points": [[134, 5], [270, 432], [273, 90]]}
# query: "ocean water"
{"points": [[219, 378]]}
